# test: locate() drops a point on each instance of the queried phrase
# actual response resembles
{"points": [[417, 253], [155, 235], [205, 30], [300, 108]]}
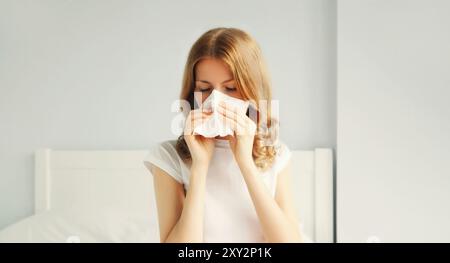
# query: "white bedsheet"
{"points": [[102, 225]]}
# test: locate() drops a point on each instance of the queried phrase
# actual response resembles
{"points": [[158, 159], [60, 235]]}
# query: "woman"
{"points": [[232, 188]]}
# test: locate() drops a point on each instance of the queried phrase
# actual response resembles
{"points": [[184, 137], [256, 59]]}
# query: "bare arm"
{"points": [[180, 217], [277, 215]]}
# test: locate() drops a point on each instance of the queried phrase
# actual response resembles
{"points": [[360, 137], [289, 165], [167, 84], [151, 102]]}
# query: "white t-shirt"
{"points": [[229, 214]]}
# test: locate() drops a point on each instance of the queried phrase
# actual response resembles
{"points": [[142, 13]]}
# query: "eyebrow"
{"points": [[205, 81]]}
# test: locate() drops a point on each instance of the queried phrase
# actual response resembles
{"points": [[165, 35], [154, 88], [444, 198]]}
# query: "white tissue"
{"points": [[216, 125]]}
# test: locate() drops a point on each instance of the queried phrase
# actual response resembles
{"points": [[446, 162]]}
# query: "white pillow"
{"points": [[106, 224]]}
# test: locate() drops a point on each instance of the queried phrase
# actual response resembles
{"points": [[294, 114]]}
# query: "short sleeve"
{"points": [[165, 157], [282, 158]]}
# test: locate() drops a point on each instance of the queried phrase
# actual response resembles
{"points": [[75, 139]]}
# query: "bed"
{"points": [[107, 196]]}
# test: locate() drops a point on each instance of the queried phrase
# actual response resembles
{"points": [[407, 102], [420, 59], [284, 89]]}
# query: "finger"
{"points": [[248, 125], [244, 125], [233, 113], [194, 119], [199, 119], [239, 115], [188, 121], [230, 120]]}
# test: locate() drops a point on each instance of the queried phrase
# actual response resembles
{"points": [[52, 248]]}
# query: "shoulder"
{"points": [[166, 149], [282, 157], [165, 156], [168, 146]]}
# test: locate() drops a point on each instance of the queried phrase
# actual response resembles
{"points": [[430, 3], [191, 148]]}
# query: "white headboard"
{"points": [[90, 179]]}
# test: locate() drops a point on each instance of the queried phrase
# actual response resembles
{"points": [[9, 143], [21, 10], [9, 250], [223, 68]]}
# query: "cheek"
{"points": [[236, 95], [205, 95], [201, 96]]}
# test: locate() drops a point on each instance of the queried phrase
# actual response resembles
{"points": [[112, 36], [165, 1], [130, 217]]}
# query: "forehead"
{"points": [[213, 70]]}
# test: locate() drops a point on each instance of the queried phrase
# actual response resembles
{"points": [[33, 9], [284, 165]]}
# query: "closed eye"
{"points": [[205, 89], [230, 89]]}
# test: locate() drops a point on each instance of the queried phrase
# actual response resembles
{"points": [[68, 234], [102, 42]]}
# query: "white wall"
{"points": [[103, 74], [393, 173]]}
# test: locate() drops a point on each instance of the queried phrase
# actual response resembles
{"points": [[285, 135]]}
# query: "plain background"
{"points": [[103, 74], [393, 171]]}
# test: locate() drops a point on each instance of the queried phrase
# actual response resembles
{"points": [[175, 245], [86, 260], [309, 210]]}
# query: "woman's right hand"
{"points": [[201, 148]]}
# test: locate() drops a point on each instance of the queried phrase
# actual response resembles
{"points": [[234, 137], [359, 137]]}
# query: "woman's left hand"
{"points": [[244, 130]]}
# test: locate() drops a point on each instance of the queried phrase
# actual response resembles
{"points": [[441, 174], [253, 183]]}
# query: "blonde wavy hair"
{"points": [[240, 52]]}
